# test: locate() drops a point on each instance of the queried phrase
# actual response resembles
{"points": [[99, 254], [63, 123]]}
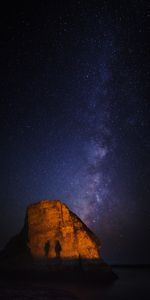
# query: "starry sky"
{"points": [[74, 113]]}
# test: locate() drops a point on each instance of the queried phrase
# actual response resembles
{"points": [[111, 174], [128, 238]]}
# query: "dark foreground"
{"points": [[132, 283]]}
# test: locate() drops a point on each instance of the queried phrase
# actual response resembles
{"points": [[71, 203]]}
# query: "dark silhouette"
{"points": [[47, 248], [58, 249], [80, 263]]}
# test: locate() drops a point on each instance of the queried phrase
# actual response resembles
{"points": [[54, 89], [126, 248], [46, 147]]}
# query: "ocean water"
{"points": [[132, 283]]}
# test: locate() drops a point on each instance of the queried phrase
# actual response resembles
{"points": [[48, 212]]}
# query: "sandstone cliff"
{"points": [[51, 223], [52, 232]]}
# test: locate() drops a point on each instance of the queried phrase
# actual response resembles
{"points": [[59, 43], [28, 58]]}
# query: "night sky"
{"points": [[75, 117]]}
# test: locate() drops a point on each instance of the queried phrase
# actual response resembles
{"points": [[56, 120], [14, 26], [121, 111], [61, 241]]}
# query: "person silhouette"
{"points": [[47, 248], [58, 249]]}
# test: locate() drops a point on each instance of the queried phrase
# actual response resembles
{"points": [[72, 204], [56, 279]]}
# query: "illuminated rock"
{"points": [[55, 231], [53, 236]]}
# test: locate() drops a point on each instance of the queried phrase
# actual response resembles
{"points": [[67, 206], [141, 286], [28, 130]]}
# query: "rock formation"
{"points": [[52, 225], [51, 233]]}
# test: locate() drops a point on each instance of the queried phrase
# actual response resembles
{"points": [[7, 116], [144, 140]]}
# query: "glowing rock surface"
{"points": [[54, 231], [52, 238]]}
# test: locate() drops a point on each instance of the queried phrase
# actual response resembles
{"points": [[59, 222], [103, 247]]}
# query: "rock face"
{"points": [[53, 233]]}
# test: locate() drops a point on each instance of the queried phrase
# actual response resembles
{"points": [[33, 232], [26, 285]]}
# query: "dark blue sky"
{"points": [[75, 118]]}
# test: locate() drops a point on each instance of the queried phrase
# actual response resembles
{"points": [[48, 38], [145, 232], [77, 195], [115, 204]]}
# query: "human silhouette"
{"points": [[57, 249], [47, 248]]}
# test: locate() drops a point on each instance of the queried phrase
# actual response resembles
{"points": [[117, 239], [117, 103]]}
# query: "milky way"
{"points": [[75, 118]]}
